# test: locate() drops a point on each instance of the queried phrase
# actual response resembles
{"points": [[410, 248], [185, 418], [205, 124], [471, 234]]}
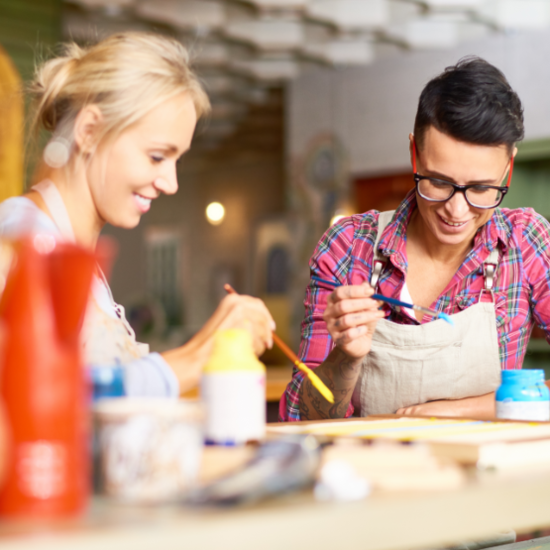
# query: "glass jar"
{"points": [[523, 395]]}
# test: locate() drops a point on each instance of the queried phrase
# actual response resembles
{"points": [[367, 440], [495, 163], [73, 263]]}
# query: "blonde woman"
{"points": [[121, 113]]}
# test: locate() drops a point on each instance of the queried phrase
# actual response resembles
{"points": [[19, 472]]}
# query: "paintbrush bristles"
{"points": [[436, 314], [313, 378]]}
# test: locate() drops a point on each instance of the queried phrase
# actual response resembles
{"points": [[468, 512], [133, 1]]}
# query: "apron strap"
{"points": [[53, 200], [489, 268], [51, 196], [379, 261]]}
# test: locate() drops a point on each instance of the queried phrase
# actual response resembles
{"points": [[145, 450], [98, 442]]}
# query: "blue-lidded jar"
{"points": [[523, 395], [107, 382]]}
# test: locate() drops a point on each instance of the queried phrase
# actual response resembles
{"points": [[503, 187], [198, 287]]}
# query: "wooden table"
{"points": [[382, 522]]}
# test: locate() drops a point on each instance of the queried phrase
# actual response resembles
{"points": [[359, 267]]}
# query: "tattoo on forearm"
{"points": [[338, 410], [316, 400], [339, 373], [349, 368]]}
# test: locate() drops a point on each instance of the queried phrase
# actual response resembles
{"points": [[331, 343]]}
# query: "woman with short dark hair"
{"points": [[448, 247]]}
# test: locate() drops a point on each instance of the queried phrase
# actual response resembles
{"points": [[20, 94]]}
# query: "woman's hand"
{"points": [[238, 311], [443, 407], [234, 311], [351, 317], [479, 407]]}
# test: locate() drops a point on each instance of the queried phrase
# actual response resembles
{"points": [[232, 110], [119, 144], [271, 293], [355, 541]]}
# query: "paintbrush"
{"points": [[394, 302], [313, 378]]}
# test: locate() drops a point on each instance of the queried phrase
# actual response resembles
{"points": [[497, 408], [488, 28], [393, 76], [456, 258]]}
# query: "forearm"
{"points": [[481, 406], [339, 372], [187, 362]]}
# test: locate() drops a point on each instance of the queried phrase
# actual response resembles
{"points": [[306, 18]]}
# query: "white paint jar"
{"points": [[233, 391]]}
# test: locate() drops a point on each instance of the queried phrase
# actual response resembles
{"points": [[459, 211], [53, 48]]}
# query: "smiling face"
{"points": [[126, 173], [455, 222]]}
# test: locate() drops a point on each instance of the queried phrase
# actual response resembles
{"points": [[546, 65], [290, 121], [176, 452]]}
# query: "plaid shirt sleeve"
{"points": [[535, 247], [330, 261]]}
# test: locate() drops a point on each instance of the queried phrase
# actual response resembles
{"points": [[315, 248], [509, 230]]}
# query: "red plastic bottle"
{"points": [[42, 380]]}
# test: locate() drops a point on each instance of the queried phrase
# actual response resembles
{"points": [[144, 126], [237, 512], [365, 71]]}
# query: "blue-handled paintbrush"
{"points": [[394, 302]]}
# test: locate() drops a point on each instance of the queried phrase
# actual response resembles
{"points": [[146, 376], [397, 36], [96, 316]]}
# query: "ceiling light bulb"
{"points": [[215, 213], [336, 218]]}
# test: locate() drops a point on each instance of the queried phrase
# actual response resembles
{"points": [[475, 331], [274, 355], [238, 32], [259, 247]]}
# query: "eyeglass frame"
{"points": [[462, 188]]}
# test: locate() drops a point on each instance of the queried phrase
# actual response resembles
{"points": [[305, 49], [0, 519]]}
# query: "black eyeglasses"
{"points": [[477, 196]]}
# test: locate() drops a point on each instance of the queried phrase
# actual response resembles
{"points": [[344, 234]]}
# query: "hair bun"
{"points": [[47, 88]]}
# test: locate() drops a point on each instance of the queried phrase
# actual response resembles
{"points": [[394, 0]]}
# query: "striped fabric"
{"points": [[521, 289]]}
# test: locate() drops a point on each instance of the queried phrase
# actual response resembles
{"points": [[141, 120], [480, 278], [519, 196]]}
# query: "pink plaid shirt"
{"points": [[344, 255]]}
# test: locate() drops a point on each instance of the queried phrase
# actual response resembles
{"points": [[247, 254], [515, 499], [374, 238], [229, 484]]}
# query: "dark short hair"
{"points": [[471, 102]]}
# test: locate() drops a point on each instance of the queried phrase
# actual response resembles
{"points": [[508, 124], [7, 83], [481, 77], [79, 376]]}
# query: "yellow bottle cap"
{"points": [[233, 351]]}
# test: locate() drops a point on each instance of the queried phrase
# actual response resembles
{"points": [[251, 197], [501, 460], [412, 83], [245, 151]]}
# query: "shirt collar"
{"points": [[498, 228], [393, 238]]}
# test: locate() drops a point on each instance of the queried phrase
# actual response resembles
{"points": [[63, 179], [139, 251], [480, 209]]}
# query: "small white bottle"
{"points": [[233, 390]]}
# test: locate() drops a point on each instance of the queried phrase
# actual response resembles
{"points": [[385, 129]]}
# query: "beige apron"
{"points": [[106, 339], [413, 364]]}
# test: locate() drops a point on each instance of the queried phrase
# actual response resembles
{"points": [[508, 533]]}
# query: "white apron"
{"points": [[412, 364], [106, 339]]}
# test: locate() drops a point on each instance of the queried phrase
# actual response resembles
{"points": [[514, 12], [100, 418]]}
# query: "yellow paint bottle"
{"points": [[233, 390]]}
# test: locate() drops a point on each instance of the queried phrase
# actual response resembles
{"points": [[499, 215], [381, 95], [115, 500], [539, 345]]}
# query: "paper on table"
{"points": [[425, 429]]}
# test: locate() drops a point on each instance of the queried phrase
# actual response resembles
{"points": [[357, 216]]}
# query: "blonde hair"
{"points": [[126, 75]]}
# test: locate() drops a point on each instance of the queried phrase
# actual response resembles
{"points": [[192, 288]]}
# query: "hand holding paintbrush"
{"points": [[394, 302], [351, 315]]}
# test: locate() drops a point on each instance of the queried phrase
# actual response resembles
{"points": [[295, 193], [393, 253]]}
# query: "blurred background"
{"points": [[313, 101]]}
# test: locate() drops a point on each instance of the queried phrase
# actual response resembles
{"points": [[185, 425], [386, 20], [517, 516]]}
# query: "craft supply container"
{"points": [[523, 395], [233, 390], [150, 449], [106, 381]]}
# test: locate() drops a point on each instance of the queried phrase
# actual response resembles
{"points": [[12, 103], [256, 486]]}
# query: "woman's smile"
{"points": [[143, 203], [452, 224]]}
